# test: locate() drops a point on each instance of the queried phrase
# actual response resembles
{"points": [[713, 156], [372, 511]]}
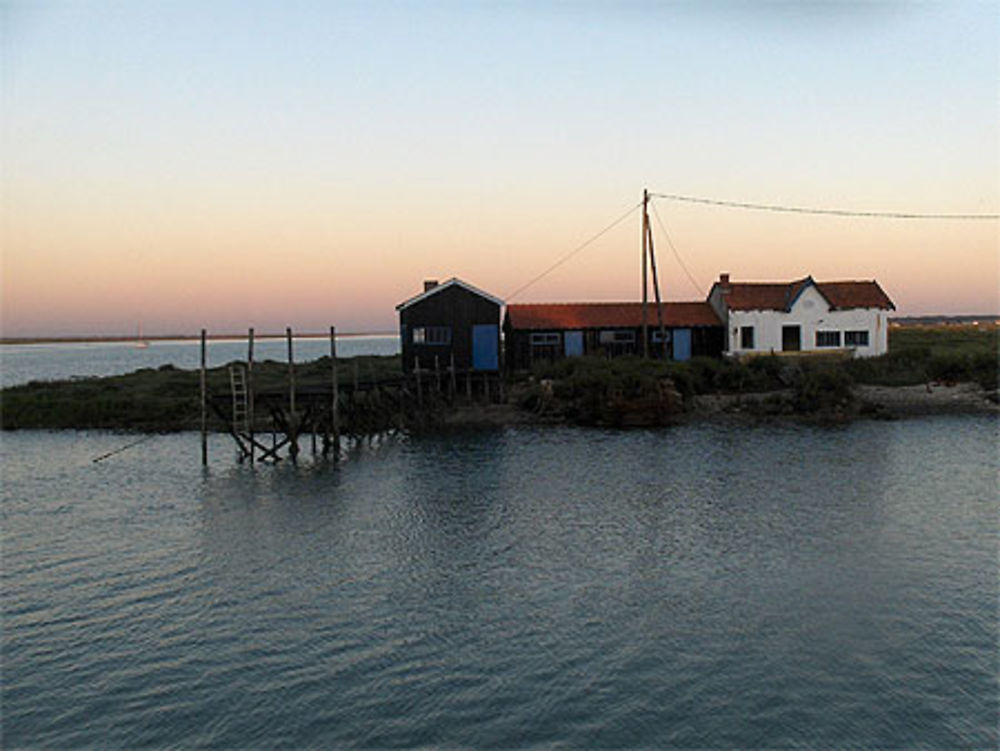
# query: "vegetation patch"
{"points": [[166, 398]]}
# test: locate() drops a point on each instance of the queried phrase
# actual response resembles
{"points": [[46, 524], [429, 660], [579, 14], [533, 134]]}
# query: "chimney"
{"points": [[430, 284], [724, 283]]}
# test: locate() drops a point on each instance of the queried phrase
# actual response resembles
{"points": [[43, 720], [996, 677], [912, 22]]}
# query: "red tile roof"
{"points": [[781, 295], [842, 295], [608, 315]]}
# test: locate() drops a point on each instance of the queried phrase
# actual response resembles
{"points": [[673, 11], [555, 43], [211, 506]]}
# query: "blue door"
{"points": [[485, 343], [573, 343], [682, 344]]}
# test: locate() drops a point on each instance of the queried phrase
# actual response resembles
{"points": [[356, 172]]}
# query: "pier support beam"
{"points": [[335, 401], [250, 415], [204, 401]]}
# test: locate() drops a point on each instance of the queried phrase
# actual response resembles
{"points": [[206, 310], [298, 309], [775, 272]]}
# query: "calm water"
{"points": [[20, 363], [695, 587]]}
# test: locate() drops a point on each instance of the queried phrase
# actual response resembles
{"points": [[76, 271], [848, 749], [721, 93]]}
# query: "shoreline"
{"points": [[883, 403], [872, 403], [29, 340]]}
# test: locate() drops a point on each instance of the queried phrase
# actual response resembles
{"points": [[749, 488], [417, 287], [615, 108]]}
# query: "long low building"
{"points": [[546, 331], [455, 324]]}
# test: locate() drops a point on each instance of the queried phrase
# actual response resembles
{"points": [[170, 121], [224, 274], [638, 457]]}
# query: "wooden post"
{"points": [[452, 386], [420, 391], [293, 438], [645, 292], [291, 372], [336, 392], [204, 401], [250, 416], [437, 374], [468, 385]]}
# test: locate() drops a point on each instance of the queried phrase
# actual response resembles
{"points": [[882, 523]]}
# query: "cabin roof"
{"points": [[840, 295], [453, 282], [608, 315]]}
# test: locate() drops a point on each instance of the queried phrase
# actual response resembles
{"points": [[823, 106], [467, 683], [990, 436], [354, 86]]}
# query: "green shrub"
{"points": [[821, 387]]}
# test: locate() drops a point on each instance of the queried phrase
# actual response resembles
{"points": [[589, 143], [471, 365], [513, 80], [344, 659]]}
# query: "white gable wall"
{"points": [[811, 313]]}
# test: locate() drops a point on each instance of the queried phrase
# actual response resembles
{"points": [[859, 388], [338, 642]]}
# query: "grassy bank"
{"points": [[625, 391], [162, 399], [598, 391]]}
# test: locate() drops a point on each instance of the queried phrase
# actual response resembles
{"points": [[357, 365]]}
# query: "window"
{"points": [[827, 338], [617, 342], [544, 345], [855, 338], [658, 339], [546, 339], [617, 337], [432, 335], [746, 337]]}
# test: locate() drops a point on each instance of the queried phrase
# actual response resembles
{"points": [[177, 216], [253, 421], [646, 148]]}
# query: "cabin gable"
{"points": [[451, 323]]}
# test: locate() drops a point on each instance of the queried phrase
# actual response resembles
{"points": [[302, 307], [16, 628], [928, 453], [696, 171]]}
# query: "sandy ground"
{"points": [[890, 402], [931, 399]]}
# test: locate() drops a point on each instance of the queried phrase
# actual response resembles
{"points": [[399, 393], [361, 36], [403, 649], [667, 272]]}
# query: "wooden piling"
{"points": [[452, 385], [293, 427], [416, 372], [204, 400], [335, 406], [291, 372], [250, 415]]}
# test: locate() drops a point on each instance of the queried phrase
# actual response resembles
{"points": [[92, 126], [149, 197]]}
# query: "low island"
{"points": [[929, 370]]}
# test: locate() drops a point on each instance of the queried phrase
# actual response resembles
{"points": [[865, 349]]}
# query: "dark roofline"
{"points": [[453, 282]]}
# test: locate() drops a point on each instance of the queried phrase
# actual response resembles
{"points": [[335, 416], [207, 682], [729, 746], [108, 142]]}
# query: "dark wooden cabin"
{"points": [[453, 319], [535, 332]]}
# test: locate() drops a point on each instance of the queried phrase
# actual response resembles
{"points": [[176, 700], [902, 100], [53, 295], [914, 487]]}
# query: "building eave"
{"points": [[453, 282]]}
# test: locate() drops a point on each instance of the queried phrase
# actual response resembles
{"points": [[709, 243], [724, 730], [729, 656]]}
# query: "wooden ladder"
{"points": [[241, 412]]}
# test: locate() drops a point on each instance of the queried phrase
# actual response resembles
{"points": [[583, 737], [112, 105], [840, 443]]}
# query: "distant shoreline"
{"points": [[930, 320], [178, 338]]}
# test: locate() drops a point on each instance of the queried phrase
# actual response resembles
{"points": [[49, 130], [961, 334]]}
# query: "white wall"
{"points": [[812, 313]]}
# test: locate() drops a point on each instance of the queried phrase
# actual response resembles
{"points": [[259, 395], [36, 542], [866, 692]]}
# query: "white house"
{"points": [[803, 315]]}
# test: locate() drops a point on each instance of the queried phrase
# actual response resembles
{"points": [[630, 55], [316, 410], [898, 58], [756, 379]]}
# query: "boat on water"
{"points": [[140, 343]]}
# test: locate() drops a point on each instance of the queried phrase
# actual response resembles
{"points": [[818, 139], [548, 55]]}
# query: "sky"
{"points": [[211, 164]]}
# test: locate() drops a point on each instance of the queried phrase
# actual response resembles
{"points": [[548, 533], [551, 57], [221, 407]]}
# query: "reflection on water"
{"points": [[690, 587]]}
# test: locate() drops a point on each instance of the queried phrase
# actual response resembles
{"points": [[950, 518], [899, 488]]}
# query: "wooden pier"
{"points": [[269, 423]]}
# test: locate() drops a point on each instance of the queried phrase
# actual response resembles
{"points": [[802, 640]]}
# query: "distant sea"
{"points": [[20, 363]]}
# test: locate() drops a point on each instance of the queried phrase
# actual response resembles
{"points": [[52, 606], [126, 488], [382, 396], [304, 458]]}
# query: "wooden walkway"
{"points": [[270, 424]]}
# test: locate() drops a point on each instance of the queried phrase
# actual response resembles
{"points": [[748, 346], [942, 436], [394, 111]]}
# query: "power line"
{"points": [[698, 288], [827, 212], [573, 252]]}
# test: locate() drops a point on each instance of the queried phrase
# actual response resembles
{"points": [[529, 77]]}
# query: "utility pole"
{"points": [[656, 290]]}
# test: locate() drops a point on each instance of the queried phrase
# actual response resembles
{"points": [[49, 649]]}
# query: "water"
{"points": [[21, 363], [693, 587]]}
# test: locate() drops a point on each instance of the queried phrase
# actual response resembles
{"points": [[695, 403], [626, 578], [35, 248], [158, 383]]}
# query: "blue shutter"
{"points": [[485, 345], [573, 343], [682, 344]]}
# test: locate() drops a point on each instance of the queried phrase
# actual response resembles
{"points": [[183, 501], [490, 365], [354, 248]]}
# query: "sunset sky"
{"points": [[232, 164]]}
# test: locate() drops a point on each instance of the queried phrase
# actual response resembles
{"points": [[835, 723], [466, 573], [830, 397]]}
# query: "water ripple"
{"points": [[699, 587]]}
